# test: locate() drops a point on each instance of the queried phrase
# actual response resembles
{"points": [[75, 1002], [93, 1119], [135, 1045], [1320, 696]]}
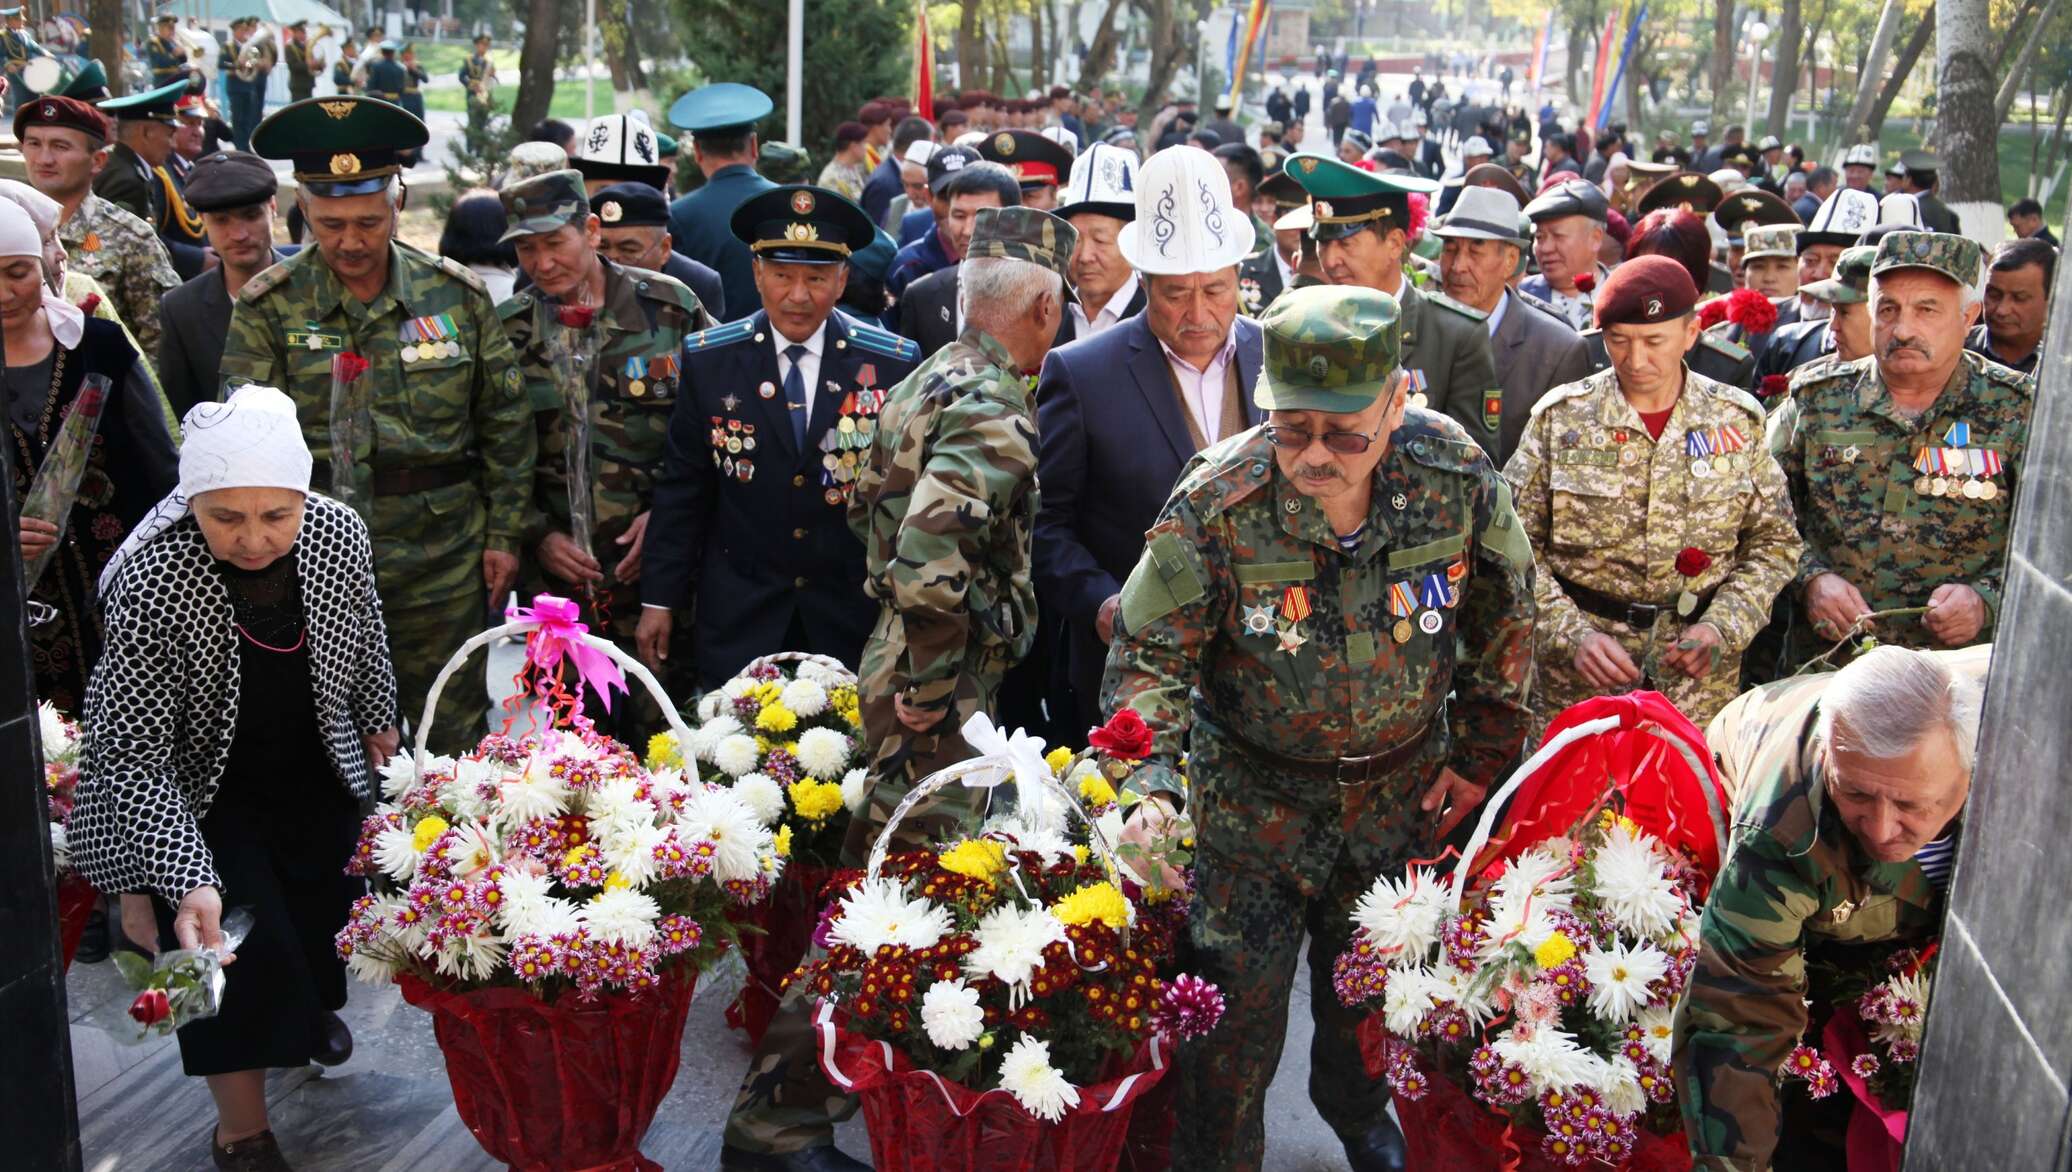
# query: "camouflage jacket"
{"points": [[1609, 508], [645, 318], [1795, 898], [123, 253], [945, 505], [463, 404], [1237, 549], [1853, 463]]}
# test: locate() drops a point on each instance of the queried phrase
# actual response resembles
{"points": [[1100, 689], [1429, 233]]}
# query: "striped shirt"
{"points": [[1936, 859]]}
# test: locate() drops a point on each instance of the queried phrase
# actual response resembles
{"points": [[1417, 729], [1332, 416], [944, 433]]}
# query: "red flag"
{"points": [[1601, 69], [924, 63]]}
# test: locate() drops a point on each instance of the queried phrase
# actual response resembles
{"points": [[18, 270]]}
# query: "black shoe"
{"points": [[335, 1042], [258, 1153], [93, 942], [1379, 1150], [826, 1158]]}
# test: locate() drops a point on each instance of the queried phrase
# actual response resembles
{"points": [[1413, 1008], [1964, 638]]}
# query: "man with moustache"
{"points": [[2017, 305]]}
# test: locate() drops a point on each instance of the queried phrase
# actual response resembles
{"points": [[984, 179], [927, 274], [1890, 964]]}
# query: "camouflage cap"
{"points": [[1023, 233], [1329, 348], [543, 203], [1955, 257], [1851, 283], [1771, 240]]}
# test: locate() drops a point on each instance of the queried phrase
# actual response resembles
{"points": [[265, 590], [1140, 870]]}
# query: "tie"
{"points": [[795, 395]]}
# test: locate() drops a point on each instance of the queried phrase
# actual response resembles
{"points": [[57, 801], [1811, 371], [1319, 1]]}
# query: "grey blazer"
{"points": [[1536, 351]]}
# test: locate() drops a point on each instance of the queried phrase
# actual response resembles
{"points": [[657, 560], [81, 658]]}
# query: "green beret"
{"points": [[1330, 348]]}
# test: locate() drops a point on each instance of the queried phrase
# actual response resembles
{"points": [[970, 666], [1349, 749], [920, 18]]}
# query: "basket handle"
{"points": [[634, 667], [780, 657], [965, 773], [1491, 808]]}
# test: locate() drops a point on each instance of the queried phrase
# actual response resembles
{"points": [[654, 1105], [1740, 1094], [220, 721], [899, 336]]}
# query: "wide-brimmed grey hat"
{"points": [[1482, 213]]}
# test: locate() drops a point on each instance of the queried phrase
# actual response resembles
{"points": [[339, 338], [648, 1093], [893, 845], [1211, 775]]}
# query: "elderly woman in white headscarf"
{"points": [[231, 728], [51, 351]]}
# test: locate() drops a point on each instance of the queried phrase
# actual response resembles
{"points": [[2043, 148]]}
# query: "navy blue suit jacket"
{"points": [[764, 554], [698, 228], [1114, 440], [916, 224]]}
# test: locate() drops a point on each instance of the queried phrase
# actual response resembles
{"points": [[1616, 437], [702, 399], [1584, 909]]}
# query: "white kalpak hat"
{"points": [[1900, 207], [1062, 137], [1841, 219], [1185, 221], [1862, 154], [920, 150], [1103, 181], [621, 147]]}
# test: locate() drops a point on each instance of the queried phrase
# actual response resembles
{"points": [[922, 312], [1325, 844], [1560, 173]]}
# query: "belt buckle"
{"points": [[1635, 609], [1355, 766]]}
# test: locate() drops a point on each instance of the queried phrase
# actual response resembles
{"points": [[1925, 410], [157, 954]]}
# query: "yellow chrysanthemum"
{"points": [[784, 837], [1059, 760], [776, 718], [578, 855], [663, 753], [427, 833], [615, 882], [1554, 951], [1095, 791], [767, 692], [975, 858], [1079, 855], [1099, 902], [815, 799]]}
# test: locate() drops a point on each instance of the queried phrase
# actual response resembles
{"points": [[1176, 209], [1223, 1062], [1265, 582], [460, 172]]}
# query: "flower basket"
{"points": [[76, 902], [921, 1122], [1448, 1130], [782, 928], [562, 1086]]}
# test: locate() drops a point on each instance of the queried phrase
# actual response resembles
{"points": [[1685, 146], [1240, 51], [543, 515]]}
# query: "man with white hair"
{"points": [[1850, 791], [1904, 465]]}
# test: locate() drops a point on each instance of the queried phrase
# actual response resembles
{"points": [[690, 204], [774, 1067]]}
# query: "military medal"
{"points": [[768, 390], [1418, 384], [1850, 453], [631, 372], [1292, 638], [1989, 467], [730, 402], [1295, 607], [1430, 622], [1403, 605], [744, 470], [1259, 619]]}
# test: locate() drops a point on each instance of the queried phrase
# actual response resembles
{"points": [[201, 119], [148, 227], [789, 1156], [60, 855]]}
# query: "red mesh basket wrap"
{"points": [[921, 1122], [1149, 1145], [785, 917], [1877, 1133], [76, 901], [563, 1087]]}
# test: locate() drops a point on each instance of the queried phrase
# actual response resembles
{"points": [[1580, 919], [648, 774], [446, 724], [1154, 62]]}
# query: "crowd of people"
{"points": [[1347, 467]]}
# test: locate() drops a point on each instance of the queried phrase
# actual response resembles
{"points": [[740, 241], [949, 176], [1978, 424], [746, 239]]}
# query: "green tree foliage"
{"points": [[855, 50]]}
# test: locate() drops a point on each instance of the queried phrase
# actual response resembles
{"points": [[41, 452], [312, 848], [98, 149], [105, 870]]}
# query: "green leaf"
{"points": [[136, 970]]}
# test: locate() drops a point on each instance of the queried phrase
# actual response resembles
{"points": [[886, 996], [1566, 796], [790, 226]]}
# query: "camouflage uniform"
{"points": [[458, 423], [1269, 710], [1796, 902], [1608, 509], [645, 317], [125, 256]]}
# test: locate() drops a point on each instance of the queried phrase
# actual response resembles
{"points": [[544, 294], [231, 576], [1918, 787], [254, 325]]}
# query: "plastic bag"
{"points": [[784, 920], [572, 1085], [176, 987]]}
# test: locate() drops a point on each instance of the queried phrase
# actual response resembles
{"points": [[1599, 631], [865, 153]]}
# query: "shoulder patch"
{"points": [[1739, 398], [1460, 307], [1228, 473], [1560, 394], [1436, 441], [514, 305], [461, 273], [2009, 376], [733, 331], [268, 279], [662, 287], [879, 341], [1723, 345]]}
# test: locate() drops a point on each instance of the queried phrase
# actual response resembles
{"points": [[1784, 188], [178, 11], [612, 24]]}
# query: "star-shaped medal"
{"points": [[730, 402], [1259, 620], [1292, 637]]}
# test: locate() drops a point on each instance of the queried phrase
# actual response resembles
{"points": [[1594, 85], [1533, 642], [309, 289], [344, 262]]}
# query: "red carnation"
{"points": [[1125, 736], [1692, 561], [1420, 211], [92, 301], [1585, 282], [347, 366], [151, 1007], [1774, 385], [1751, 311], [1712, 313], [576, 317]]}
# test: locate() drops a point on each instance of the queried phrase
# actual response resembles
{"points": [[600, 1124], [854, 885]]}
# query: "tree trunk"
{"points": [[1902, 66], [613, 41], [536, 63], [2012, 85], [1964, 123], [1039, 50], [636, 18], [1784, 73], [1578, 45], [1167, 37], [2057, 139], [1100, 56], [107, 40], [1722, 55], [2014, 27], [971, 50]]}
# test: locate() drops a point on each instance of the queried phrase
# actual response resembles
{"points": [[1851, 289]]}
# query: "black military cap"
{"points": [[1285, 192], [1752, 207], [1035, 160], [630, 205], [1688, 190], [947, 162], [229, 179], [802, 224], [1571, 197], [347, 145]]}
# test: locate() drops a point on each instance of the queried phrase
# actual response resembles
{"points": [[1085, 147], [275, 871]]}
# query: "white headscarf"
{"points": [[252, 440], [23, 233]]}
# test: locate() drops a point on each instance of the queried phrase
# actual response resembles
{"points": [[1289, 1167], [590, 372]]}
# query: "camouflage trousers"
{"points": [[421, 638], [785, 1103], [1253, 905], [1559, 685]]}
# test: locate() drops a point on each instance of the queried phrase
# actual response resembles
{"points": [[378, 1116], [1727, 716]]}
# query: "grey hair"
{"points": [[1886, 702], [996, 290]]}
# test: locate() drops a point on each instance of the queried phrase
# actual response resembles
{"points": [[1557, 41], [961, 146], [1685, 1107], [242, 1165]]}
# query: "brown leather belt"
{"points": [[1638, 615], [1343, 770], [403, 481]]}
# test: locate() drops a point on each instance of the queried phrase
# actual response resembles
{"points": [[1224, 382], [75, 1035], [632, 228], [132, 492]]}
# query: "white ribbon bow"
{"points": [[1019, 752]]}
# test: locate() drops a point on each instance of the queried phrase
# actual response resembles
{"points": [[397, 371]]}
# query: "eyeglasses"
{"points": [[1345, 443]]}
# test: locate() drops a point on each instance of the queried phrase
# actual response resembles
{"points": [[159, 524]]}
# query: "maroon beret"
{"points": [[1643, 291], [68, 113]]}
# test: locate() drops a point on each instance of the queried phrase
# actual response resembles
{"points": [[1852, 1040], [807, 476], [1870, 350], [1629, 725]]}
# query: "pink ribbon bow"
{"points": [[560, 634]]}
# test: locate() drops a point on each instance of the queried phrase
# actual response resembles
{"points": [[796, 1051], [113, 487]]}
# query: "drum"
{"points": [[44, 74]]}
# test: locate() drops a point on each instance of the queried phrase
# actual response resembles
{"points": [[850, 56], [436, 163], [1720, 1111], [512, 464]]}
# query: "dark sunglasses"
{"points": [[1345, 443]]}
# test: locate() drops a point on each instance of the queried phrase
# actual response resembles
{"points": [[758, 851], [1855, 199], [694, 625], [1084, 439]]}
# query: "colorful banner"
{"points": [[924, 63], [1255, 24], [1611, 93], [1538, 69], [1599, 68]]}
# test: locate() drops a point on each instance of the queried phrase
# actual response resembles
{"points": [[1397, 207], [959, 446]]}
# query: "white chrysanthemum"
{"points": [[470, 849], [1912, 989], [877, 912], [1550, 1058], [399, 773], [763, 795], [1619, 1084], [1011, 941], [951, 1014], [1658, 1029], [711, 704], [59, 745], [738, 687], [523, 890], [395, 852], [1032, 836], [618, 800], [472, 791], [826, 677], [550, 916], [1041, 1089], [1619, 978], [1402, 916], [736, 754], [823, 753], [622, 916], [471, 958], [708, 735], [371, 966], [533, 794], [1468, 992], [739, 840], [1523, 900], [1632, 883], [630, 851], [853, 786], [805, 698], [1408, 999]]}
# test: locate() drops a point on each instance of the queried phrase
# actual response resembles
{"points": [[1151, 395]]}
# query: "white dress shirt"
{"points": [[1107, 315], [809, 364], [1202, 389], [1496, 316]]}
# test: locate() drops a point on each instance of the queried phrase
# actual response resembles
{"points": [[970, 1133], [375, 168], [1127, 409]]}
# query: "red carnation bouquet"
{"points": [[1712, 312], [1752, 311], [1772, 386]]}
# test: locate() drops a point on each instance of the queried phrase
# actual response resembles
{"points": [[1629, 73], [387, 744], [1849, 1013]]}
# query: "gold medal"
{"points": [[1401, 631], [1940, 486], [1970, 490], [1987, 490], [636, 388], [734, 444], [834, 496]]}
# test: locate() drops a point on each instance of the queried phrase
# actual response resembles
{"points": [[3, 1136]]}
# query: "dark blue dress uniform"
{"points": [[749, 525], [698, 223]]}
